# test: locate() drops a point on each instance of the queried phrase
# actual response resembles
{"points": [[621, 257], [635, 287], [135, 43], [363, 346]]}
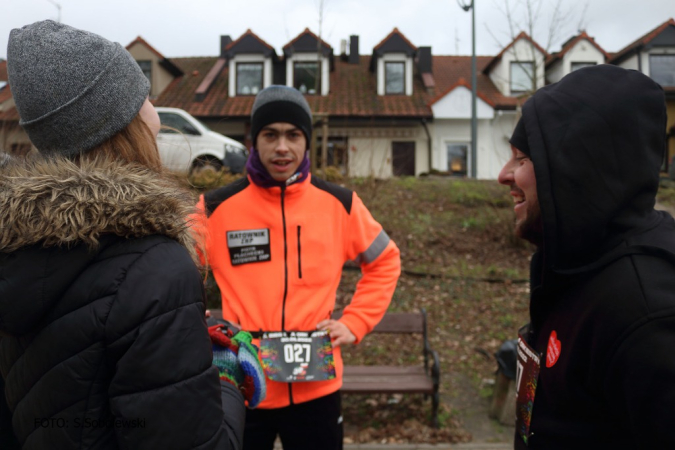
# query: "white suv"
{"points": [[195, 146]]}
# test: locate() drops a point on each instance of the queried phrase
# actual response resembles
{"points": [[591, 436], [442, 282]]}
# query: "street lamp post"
{"points": [[474, 122]]}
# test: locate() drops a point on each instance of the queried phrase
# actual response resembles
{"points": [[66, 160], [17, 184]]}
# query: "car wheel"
{"points": [[206, 162]]}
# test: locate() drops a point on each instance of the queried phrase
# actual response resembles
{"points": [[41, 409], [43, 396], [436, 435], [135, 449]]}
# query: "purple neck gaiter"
{"points": [[262, 178]]}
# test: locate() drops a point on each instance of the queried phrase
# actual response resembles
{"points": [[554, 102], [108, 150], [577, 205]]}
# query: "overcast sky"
{"points": [[193, 27]]}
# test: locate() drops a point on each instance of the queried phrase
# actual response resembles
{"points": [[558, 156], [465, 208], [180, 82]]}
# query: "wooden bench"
{"points": [[392, 379]]}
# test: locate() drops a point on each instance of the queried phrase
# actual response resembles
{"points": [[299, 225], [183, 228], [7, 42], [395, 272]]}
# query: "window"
{"points": [[146, 67], [176, 122], [307, 77], [457, 158], [394, 78], [522, 74], [249, 78], [662, 69], [581, 65]]}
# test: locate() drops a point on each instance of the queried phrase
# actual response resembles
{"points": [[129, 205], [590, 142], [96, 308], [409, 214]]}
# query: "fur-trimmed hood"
{"points": [[55, 202]]}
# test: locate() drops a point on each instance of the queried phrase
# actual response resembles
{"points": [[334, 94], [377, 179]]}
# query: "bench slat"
{"points": [[385, 379]]}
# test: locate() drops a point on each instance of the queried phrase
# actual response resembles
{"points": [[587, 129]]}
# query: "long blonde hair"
{"points": [[134, 144]]}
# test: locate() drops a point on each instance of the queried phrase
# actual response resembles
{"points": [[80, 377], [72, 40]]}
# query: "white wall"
{"points": [[457, 105], [325, 69], [630, 63], [493, 146], [583, 51], [395, 57], [245, 58], [370, 149], [522, 50]]}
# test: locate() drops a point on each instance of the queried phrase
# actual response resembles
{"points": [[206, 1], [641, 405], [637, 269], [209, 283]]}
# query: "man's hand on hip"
{"points": [[339, 333]]}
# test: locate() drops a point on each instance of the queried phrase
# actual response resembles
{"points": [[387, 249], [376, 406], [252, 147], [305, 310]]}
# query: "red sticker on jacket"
{"points": [[553, 351]]}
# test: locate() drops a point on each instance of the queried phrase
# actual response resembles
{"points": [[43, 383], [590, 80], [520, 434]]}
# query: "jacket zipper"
{"points": [[299, 256], [283, 306]]}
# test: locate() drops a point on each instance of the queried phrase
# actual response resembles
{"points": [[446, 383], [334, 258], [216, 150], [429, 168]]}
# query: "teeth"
{"points": [[518, 199]]}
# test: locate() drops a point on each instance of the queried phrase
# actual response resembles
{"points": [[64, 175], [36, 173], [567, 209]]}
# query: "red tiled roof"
{"points": [[641, 41], [522, 35], [248, 33], [449, 70], [140, 40], [306, 31], [393, 32], [353, 94], [353, 90], [3, 71], [570, 44], [462, 82]]}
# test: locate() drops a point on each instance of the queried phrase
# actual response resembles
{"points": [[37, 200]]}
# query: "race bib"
{"points": [[527, 375], [249, 246], [294, 356]]}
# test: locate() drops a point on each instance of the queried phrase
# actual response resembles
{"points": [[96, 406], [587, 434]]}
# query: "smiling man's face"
{"points": [[518, 174], [281, 147]]}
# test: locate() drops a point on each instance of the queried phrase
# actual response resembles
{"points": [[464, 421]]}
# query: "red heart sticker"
{"points": [[553, 351]]}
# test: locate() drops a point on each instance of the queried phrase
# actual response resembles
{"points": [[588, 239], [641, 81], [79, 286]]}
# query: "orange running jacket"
{"points": [[277, 257]]}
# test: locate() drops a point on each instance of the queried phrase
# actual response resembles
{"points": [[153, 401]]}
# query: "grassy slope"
{"points": [[464, 266]]}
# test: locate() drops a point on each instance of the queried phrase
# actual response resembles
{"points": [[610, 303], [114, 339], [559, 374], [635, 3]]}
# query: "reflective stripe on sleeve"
{"points": [[375, 249]]}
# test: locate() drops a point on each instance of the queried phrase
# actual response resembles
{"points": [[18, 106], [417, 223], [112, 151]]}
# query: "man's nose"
{"points": [[282, 145], [506, 174]]}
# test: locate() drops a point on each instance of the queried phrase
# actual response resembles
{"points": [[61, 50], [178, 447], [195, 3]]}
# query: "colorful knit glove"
{"points": [[237, 361]]}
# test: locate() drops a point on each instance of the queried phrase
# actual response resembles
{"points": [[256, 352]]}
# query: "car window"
{"points": [[175, 121]]}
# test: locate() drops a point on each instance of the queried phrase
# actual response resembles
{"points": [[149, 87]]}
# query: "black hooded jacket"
{"points": [[604, 278], [103, 342]]}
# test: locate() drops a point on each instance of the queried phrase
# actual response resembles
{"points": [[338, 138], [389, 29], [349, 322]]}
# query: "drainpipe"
{"points": [[426, 129]]}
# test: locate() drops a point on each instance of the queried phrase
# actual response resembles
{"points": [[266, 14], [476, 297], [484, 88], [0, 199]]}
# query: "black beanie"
{"points": [[519, 138], [281, 104]]}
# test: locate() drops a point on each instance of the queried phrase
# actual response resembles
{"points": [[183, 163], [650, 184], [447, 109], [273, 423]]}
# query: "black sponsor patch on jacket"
{"points": [[249, 246]]}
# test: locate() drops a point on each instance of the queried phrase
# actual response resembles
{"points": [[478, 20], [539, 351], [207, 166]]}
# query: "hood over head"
{"points": [[597, 140]]}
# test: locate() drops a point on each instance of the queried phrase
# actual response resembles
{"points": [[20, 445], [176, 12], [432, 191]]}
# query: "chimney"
{"points": [[353, 49], [225, 40], [424, 59]]}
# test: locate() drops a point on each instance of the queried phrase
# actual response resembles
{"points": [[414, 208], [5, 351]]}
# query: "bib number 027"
{"points": [[297, 353]]}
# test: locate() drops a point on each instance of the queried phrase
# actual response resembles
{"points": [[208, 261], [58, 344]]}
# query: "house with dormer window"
{"points": [[519, 68], [654, 55], [309, 61], [392, 62], [578, 52], [159, 70], [251, 63], [395, 110]]}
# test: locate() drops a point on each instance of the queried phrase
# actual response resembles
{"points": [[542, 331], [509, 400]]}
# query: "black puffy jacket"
{"points": [[103, 343], [603, 283]]}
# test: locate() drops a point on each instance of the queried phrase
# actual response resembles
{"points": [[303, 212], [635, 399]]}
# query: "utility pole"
{"points": [[474, 121]]}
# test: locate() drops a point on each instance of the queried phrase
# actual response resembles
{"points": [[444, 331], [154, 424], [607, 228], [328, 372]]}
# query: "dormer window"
{"points": [[307, 77], [250, 61], [394, 75], [392, 62], [309, 61], [249, 78], [522, 74]]}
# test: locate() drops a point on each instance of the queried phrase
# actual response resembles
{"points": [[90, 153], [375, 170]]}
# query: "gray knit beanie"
{"points": [[281, 104], [73, 89]]}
